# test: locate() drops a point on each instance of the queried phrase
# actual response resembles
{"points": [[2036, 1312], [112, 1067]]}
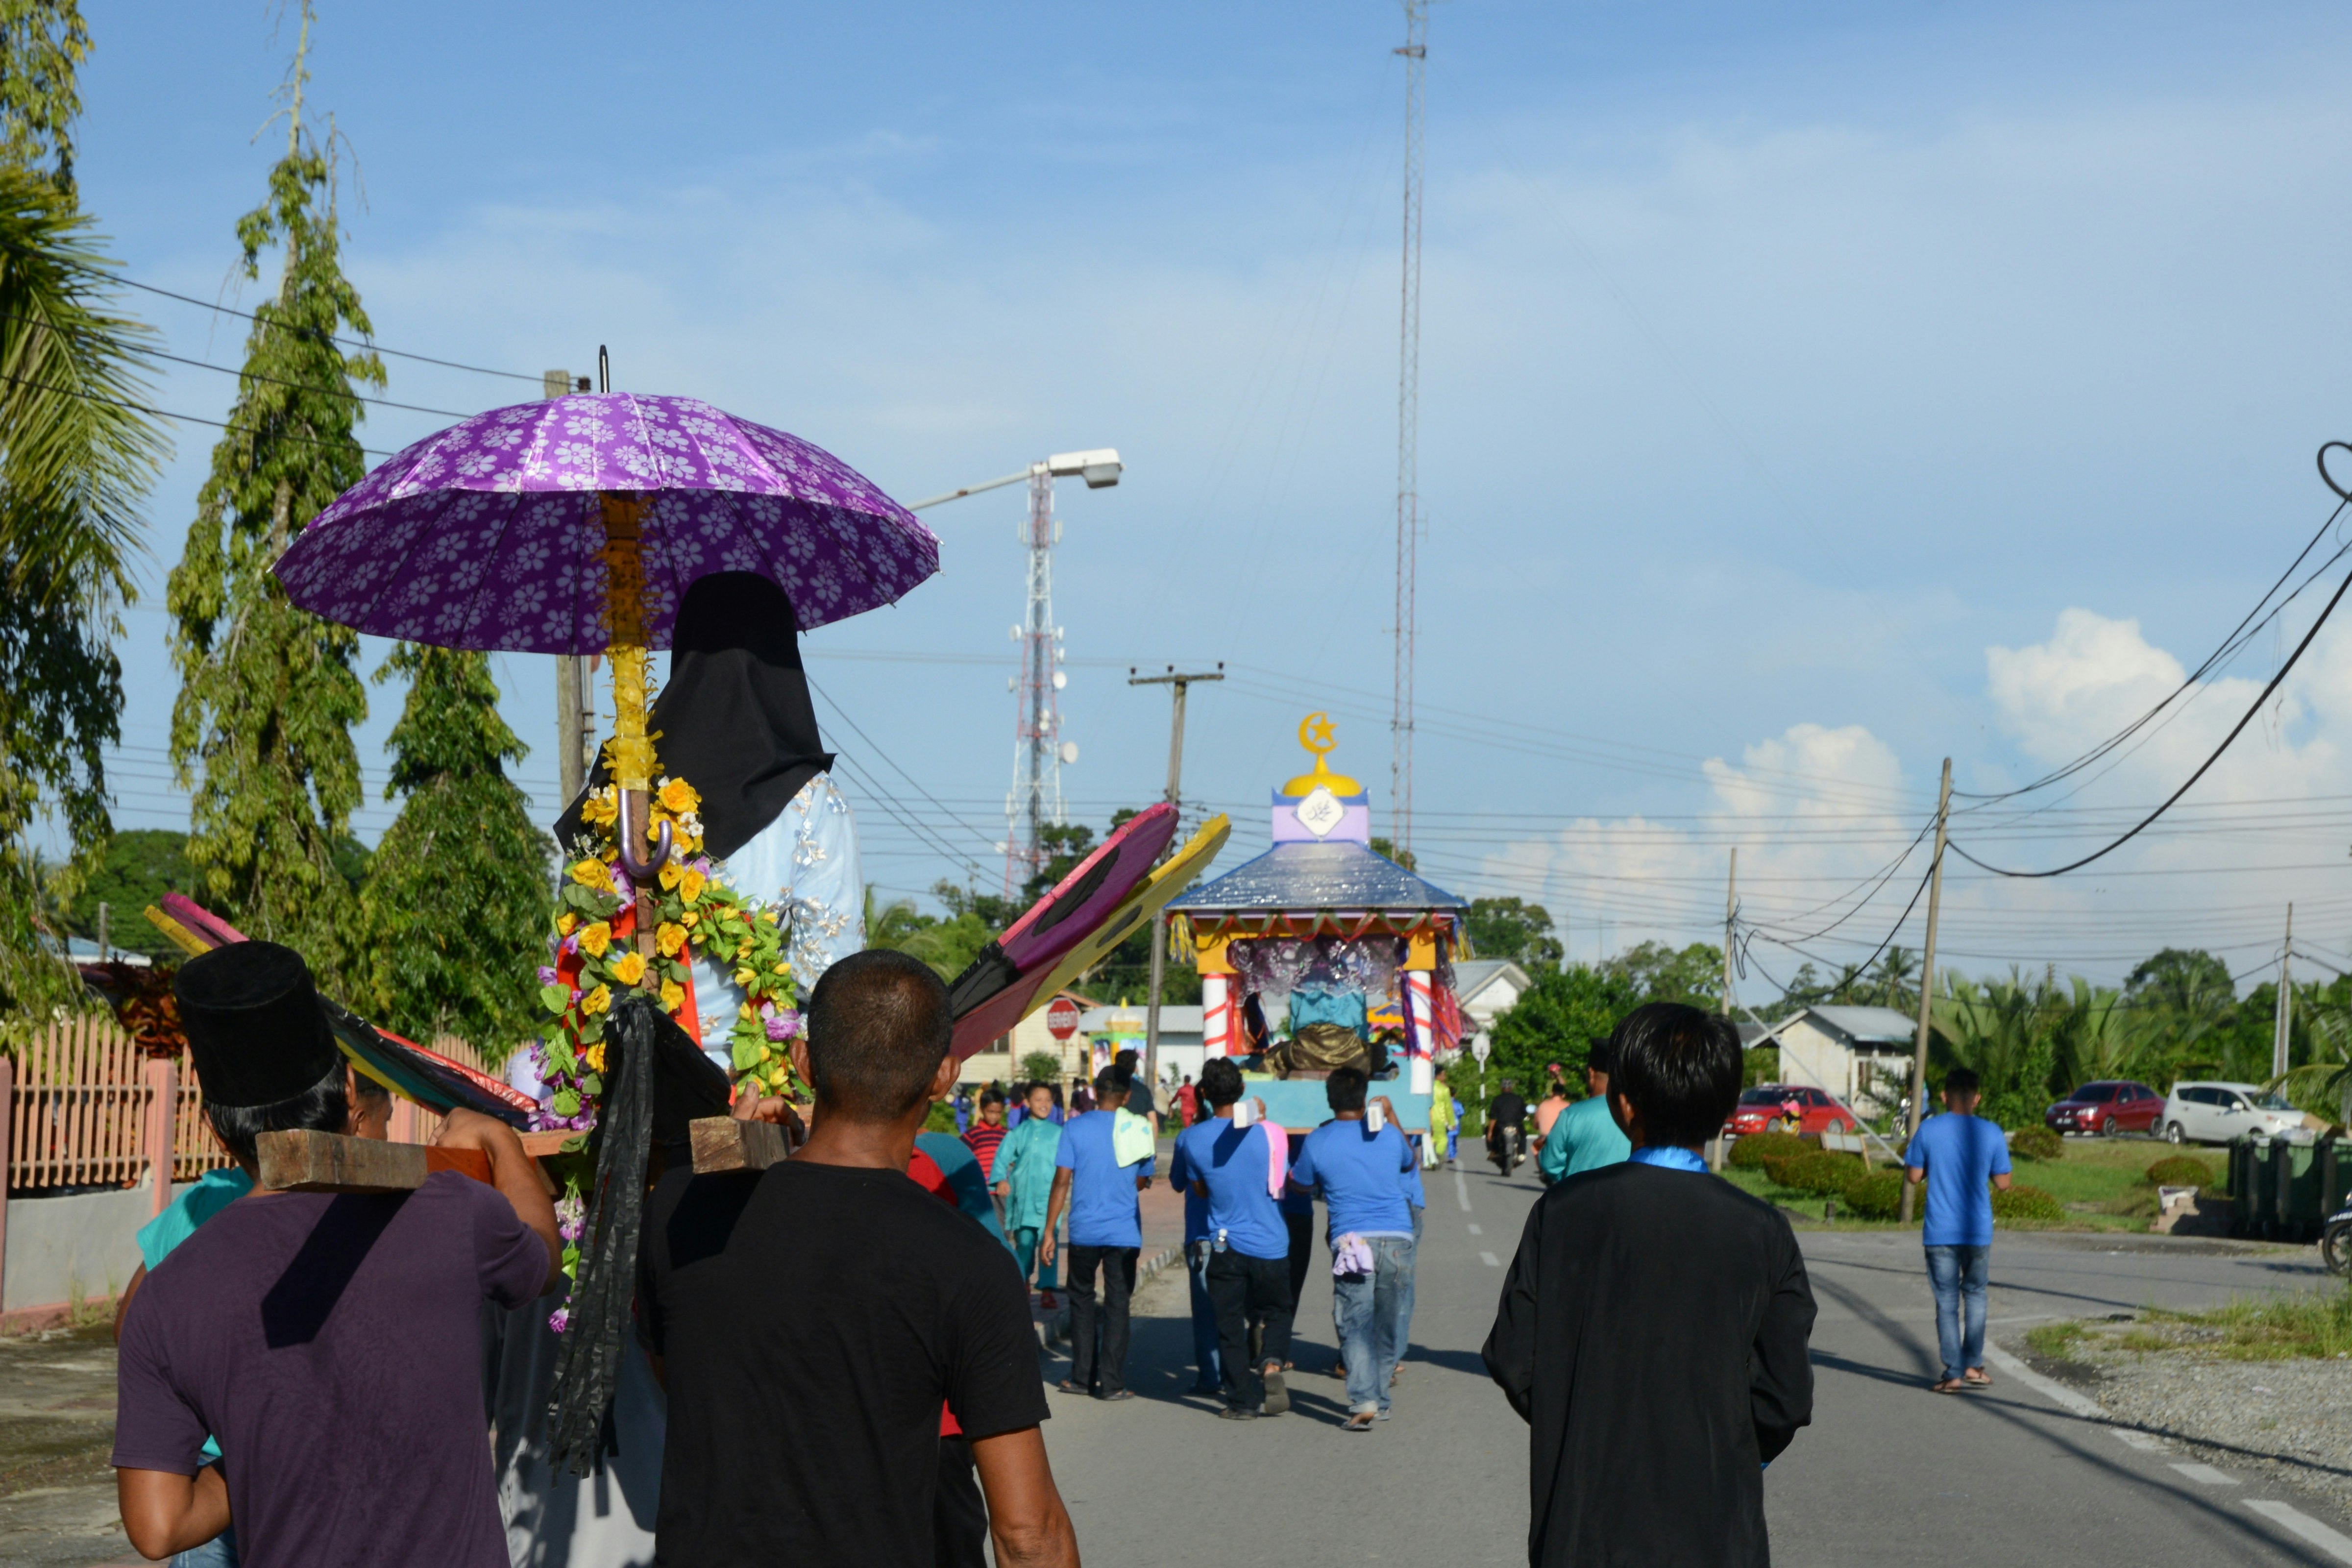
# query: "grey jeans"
{"points": [[1366, 1310]]}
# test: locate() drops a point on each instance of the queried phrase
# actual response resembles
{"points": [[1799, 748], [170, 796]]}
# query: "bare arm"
{"points": [[2000, 1181], [1054, 1202], [163, 1513], [513, 1173], [1025, 1516]]}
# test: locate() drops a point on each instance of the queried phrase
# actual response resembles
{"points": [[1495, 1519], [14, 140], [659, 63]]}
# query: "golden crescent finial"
{"points": [[1315, 734]]}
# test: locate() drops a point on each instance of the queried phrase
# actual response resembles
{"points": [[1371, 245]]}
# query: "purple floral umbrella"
{"points": [[493, 533]]}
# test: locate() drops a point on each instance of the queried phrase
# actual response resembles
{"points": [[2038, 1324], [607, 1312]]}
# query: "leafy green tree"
{"points": [[261, 731], [76, 458], [1661, 974], [1514, 929], [137, 868], [1404, 858], [947, 945], [1556, 1019], [456, 899]]}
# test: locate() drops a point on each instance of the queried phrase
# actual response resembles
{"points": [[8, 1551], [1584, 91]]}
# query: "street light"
{"points": [[1039, 754]]}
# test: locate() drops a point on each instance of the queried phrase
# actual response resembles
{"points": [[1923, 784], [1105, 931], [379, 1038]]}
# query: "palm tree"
{"points": [[78, 453]]}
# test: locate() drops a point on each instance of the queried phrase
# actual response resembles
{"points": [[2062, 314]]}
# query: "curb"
{"points": [[1053, 1328]]}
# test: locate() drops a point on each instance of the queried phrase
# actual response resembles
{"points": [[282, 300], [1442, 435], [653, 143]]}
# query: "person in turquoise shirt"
{"points": [[1585, 1137], [1023, 1177]]}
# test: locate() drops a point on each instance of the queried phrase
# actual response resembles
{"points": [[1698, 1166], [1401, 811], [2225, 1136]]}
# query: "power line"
{"points": [[167, 413], [2235, 729], [129, 282]]}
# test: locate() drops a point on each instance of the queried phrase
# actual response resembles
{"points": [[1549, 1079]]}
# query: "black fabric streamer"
{"points": [[588, 1367], [735, 720]]}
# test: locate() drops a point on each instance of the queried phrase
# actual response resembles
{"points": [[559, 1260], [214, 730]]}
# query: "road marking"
{"points": [[1490, 1260], [2206, 1475], [2329, 1540], [2067, 1399], [1475, 1230], [1462, 1191]]}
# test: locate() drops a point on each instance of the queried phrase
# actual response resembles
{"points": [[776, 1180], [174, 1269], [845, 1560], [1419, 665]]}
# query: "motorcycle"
{"points": [[1506, 1146], [2335, 1242]]}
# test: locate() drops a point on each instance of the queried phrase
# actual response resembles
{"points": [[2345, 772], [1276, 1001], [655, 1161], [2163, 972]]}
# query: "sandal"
{"points": [[1949, 1386], [1361, 1421], [1977, 1377]]}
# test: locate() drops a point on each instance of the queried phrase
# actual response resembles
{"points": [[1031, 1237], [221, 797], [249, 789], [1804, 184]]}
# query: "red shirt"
{"points": [[1189, 1099], [982, 1139]]}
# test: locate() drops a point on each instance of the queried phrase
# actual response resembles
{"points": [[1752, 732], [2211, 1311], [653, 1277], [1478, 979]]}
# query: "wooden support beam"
{"points": [[723, 1143], [307, 1162]]}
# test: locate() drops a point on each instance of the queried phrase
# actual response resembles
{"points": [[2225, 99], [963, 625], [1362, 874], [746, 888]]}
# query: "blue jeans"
{"points": [[220, 1552], [1958, 1275], [1365, 1310], [1405, 1297], [1208, 1371]]}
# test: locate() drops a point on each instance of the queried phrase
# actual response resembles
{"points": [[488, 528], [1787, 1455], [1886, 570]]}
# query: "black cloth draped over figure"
{"points": [[1652, 1332], [734, 720]]}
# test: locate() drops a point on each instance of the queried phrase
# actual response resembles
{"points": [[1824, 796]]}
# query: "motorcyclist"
{"points": [[1507, 1117]]}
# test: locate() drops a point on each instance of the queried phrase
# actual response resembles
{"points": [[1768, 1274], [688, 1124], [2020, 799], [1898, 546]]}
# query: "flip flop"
{"points": [[1361, 1421], [1977, 1377], [1277, 1396], [1949, 1386]]}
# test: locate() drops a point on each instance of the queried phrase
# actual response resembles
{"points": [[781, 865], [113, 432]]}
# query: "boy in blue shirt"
{"points": [[1208, 1376], [1956, 1155], [1099, 1169], [1362, 1174], [1248, 1275]]}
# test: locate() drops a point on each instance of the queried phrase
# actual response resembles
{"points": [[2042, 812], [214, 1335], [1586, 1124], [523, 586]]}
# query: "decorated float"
{"points": [[1323, 950]]}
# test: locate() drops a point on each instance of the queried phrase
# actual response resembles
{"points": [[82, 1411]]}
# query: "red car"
{"points": [[1770, 1106], [2108, 1106]]}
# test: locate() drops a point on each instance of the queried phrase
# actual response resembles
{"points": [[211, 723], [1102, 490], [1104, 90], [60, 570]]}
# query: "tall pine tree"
{"points": [[457, 895], [261, 732], [76, 460]]}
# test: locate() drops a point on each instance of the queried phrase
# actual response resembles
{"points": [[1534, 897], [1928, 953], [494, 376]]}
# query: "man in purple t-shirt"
{"points": [[331, 1341]]}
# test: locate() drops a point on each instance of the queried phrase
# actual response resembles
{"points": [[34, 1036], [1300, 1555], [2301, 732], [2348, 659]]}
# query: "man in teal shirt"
{"points": [[1585, 1137]]}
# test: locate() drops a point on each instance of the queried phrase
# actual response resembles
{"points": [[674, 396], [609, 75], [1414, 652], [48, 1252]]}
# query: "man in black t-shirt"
{"points": [[811, 1322]]}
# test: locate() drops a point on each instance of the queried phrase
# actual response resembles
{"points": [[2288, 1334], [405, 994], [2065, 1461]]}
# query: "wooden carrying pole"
{"points": [[1927, 978]]}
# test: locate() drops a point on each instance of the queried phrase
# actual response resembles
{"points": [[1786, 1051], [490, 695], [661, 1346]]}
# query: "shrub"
{"points": [[1751, 1152], [2037, 1144], [1822, 1174], [2181, 1171], [2029, 1206], [1878, 1194]]}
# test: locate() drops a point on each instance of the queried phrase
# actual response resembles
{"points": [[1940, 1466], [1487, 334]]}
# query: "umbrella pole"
{"points": [[632, 748]]}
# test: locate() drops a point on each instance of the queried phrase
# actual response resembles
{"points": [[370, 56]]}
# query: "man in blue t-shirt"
{"points": [[1955, 1154], [1361, 1175], [1099, 1169], [1207, 1374], [1248, 1275]]}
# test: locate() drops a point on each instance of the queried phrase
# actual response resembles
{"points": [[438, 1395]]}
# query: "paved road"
{"points": [[1888, 1474]]}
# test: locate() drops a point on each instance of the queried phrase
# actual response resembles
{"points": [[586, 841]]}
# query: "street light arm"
{"points": [[974, 489]]}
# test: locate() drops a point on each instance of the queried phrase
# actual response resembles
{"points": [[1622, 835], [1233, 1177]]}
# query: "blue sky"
{"points": [[1808, 393]]}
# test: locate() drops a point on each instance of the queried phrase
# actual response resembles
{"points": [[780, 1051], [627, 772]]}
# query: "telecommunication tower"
{"points": [[1409, 520]]}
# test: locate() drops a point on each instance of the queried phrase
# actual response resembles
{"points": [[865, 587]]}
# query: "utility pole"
{"points": [[1176, 684], [575, 692], [105, 946], [1730, 908], [1928, 976], [1416, 58], [2285, 1018]]}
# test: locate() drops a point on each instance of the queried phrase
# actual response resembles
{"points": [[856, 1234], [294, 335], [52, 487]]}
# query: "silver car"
{"points": [[2216, 1112]]}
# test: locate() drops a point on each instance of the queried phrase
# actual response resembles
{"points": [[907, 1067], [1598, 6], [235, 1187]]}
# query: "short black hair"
{"points": [[1601, 1056], [878, 1029], [990, 1097], [1114, 1079], [1962, 1081], [1345, 1088], [1127, 1057], [324, 1107], [1220, 1082], [1681, 1068]]}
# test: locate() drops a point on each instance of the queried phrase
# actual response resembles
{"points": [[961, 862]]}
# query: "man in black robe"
{"points": [[1652, 1327]]}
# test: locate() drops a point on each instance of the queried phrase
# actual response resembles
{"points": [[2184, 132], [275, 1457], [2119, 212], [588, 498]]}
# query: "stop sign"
{"points": [[1062, 1018]]}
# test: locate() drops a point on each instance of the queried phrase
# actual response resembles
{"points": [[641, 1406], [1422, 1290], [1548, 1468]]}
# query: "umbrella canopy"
{"points": [[493, 533]]}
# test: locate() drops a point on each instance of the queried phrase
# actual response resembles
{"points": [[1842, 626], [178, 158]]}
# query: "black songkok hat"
{"points": [[254, 1024]]}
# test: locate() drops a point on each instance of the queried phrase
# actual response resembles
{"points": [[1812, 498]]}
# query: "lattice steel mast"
{"points": [[1408, 523]]}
